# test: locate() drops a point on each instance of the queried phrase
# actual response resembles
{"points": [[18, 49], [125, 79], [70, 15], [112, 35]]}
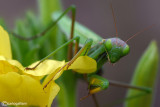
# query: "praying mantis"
{"points": [[112, 50]]}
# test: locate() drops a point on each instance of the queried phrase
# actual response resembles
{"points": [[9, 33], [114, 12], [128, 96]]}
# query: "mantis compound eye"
{"points": [[126, 50], [108, 44]]}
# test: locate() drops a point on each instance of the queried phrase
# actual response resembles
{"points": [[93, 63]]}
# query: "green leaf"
{"points": [[31, 56], [46, 8], [23, 46], [26, 28], [16, 52], [145, 76], [2, 23], [33, 23], [80, 30], [55, 39]]}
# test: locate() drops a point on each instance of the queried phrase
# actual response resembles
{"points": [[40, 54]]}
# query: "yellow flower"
{"points": [[23, 87], [5, 48]]}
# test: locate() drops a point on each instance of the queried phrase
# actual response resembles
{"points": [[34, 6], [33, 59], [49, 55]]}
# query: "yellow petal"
{"points": [[2, 58], [12, 62], [5, 47], [84, 64], [52, 90], [16, 64], [45, 68], [7, 65], [53, 76], [22, 88]]}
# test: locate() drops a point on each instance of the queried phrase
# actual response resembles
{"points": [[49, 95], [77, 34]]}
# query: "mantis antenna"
{"points": [[139, 32], [114, 19]]}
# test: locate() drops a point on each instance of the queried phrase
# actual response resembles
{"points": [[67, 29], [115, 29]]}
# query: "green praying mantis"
{"points": [[102, 50]]}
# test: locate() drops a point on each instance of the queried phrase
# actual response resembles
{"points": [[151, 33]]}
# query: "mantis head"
{"points": [[116, 48]]}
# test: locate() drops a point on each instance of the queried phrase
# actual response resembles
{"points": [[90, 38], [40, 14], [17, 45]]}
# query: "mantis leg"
{"points": [[71, 34], [72, 8], [51, 54], [83, 51], [124, 85], [142, 92], [119, 101], [97, 83]]}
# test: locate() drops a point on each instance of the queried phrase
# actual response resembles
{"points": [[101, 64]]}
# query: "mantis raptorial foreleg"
{"points": [[80, 53]]}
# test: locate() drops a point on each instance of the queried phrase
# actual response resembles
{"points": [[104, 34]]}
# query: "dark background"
{"points": [[131, 17]]}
